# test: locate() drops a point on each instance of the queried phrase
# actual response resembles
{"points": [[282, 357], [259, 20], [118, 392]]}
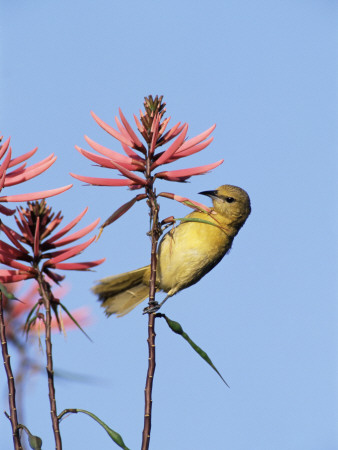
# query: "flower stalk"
{"points": [[155, 235], [47, 297], [13, 417]]}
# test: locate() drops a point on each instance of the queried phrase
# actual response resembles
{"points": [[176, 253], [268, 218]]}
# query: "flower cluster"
{"points": [[132, 165], [21, 174], [37, 223]]}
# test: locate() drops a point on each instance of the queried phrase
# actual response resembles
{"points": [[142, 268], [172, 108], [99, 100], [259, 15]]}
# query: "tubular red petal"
{"points": [[134, 187], [4, 165], [67, 228], [51, 226], [171, 150], [15, 264], [122, 129], [66, 254], [111, 130], [10, 251], [4, 147], [56, 253], [155, 130], [191, 150], [29, 173], [2, 180], [107, 162], [14, 237], [131, 132], [6, 211], [186, 201], [184, 174], [77, 235], [35, 195], [13, 276], [196, 140], [127, 173], [39, 163], [140, 127], [102, 161], [127, 149], [164, 124], [37, 237], [79, 266], [53, 276], [103, 181], [24, 226], [19, 170], [24, 157], [111, 154], [122, 210], [173, 132], [131, 152]]}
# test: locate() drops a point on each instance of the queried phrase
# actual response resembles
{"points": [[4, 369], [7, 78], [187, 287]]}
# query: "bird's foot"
{"points": [[152, 308]]}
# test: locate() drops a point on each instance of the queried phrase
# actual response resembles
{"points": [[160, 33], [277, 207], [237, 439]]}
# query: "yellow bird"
{"points": [[185, 254]]}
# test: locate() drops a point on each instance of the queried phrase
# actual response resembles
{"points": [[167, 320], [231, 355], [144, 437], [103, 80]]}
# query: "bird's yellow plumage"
{"points": [[185, 255]]}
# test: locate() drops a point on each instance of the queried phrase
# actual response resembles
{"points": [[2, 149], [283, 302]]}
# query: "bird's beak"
{"points": [[209, 193]]}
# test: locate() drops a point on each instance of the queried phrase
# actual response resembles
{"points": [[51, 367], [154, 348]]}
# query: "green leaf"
{"points": [[28, 321], [177, 328], [74, 320], [116, 437], [34, 441], [6, 293]]}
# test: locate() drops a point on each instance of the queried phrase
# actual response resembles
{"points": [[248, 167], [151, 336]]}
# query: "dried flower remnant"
{"points": [[21, 174]]}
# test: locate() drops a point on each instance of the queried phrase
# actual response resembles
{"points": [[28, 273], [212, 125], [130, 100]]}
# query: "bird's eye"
{"points": [[229, 199]]}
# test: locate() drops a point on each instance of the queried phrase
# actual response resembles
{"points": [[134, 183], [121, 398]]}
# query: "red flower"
{"points": [[132, 165], [21, 174], [36, 224]]}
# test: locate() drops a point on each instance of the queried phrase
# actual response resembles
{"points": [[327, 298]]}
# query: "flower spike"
{"points": [[21, 174], [36, 223]]}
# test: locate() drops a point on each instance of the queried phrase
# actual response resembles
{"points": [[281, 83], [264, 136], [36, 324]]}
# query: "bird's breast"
{"points": [[188, 252]]}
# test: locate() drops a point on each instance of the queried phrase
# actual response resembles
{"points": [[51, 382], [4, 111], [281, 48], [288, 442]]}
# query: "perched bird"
{"points": [[185, 254]]}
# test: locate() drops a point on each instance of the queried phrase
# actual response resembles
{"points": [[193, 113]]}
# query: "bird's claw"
{"points": [[151, 309]]}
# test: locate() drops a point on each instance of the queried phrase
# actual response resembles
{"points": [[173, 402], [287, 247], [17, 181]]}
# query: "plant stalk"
{"points": [[155, 235], [10, 380], [46, 295]]}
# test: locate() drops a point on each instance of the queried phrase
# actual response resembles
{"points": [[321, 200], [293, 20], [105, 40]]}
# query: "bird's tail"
{"points": [[120, 294]]}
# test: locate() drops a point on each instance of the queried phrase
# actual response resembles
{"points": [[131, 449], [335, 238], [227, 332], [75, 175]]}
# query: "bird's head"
{"points": [[231, 202]]}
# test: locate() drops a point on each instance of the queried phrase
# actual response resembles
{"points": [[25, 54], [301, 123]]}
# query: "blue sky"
{"points": [[265, 72]]}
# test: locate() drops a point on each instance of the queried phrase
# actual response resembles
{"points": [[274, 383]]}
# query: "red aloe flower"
{"points": [[21, 174], [36, 224], [152, 127]]}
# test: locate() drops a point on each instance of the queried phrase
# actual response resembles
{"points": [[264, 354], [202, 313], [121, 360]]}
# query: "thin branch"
{"points": [[10, 379], [149, 382], [46, 295], [152, 306]]}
